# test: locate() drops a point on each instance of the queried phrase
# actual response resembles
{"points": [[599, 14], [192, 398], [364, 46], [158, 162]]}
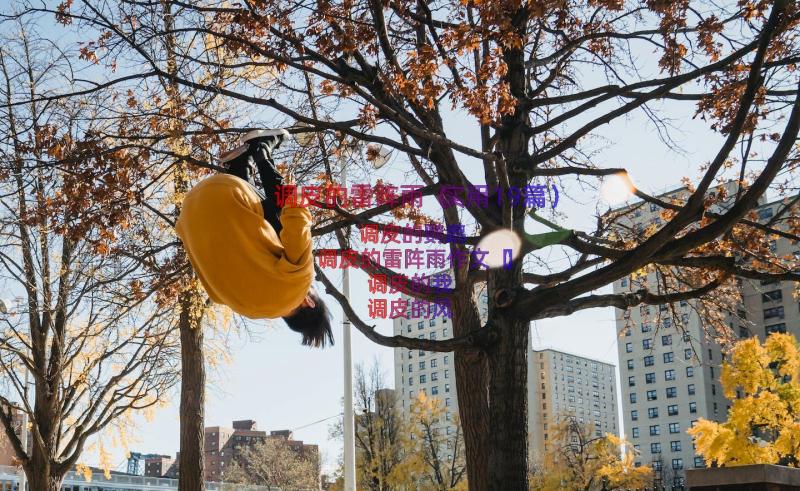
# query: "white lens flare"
{"points": [[502, 247], [617, 188]]}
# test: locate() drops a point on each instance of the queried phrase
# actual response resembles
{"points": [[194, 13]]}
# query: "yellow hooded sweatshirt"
{"points": [[236, 253]]}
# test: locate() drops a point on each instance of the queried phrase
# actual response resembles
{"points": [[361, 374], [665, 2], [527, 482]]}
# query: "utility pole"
{"points": [[23, 479], [349, 417]]}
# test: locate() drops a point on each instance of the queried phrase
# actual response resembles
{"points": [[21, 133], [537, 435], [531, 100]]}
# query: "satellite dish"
{"points": [[379, 155]]}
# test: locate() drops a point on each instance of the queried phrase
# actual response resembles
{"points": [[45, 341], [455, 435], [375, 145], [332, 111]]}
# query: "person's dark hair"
{"points": [[314, 323]]}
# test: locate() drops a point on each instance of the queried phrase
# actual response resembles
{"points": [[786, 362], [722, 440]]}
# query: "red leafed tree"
{"points": [[536, 80]]}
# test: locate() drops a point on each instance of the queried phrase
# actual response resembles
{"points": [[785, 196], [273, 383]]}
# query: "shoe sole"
{"points": [[253, 134], [232, 154]]}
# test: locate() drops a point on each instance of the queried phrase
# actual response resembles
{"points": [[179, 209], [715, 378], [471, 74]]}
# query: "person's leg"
{"points": [[261, 145], [239, 163]]}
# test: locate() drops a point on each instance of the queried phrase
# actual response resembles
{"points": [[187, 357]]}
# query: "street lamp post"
{"points": [[349, 417], [24, 436]]}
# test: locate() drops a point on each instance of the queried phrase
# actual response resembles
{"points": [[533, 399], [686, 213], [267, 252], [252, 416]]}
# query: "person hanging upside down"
{"points": [[250, 253]]}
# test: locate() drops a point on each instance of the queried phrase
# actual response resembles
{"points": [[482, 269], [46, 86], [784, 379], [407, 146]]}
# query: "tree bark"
{"points": [[43, 477], [508, 438], [191, 464], [472, 379], [44, 481]]}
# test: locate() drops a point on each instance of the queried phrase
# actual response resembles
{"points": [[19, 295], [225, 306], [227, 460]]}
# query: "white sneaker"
{"points": [[253, 134], [232, 154]]}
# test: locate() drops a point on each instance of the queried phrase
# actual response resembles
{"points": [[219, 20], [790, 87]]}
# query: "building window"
{"points": [[433, 335], [774, 313], [447, 402], [629, 347], [647, 343], [421, 325], [669, 374], [675, 446], [667, 322], [652, 412], [684, 321], [410, 367], [434, 376], [672, 410], [447, 374], [687, 353], [666, 340], [648, 360], [698, 463], [669, 357], [423, 379], [634, 415], [651, 395], [446, 359], [630, 364], [672, 392], [674, 428], [633, 398], [410, 380], [690, 372], [692, 407], [432, 322], [655, 430], [433, 363], [623, 282], [421, 365], [650, 378], [631, 381], [446, 388], [677, 464], [775, 328], [690, 389], [646, 327], [773, 296], [655, 447], [635, 432], [434, 390]]}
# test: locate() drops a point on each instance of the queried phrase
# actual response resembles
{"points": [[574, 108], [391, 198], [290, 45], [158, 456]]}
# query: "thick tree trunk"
{"points": [[473, 408], [193, 382], [42, 478], [508, 438], [472, 381], [41, 481]]}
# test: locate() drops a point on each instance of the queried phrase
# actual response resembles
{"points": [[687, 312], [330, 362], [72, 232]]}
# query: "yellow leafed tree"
{"points": [[763, 425], [582, 461]]}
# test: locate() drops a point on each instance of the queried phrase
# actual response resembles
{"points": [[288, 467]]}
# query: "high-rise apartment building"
{"points": [[669, 366], [432, 373], [562, 384], [222, 445], [160, 466]]}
